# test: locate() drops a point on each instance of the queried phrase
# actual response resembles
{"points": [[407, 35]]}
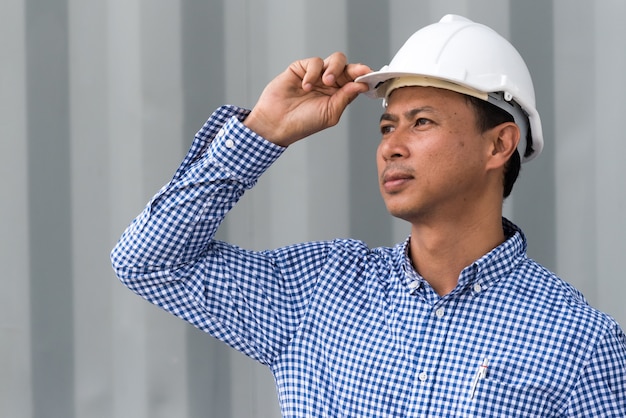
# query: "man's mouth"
{"points": [[393, 181]]}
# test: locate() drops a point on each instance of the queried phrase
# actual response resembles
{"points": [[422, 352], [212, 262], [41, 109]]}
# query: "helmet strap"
{"points": [[499, 99]]}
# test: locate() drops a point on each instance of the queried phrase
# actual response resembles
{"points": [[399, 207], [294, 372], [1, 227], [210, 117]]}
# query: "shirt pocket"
{"points": [[494, 398]]}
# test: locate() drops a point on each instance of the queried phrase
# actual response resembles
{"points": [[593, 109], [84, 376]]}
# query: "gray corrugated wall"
{"points": [[100, 100]]}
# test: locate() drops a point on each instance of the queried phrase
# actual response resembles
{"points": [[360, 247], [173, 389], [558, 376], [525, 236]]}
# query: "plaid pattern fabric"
{"points": [[350, 331]]}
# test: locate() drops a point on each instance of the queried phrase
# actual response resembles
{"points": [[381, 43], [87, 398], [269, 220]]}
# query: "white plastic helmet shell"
{"points": [[471, 55]]}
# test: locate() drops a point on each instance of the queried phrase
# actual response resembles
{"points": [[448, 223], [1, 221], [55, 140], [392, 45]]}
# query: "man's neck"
{"points": [[440, 251]]}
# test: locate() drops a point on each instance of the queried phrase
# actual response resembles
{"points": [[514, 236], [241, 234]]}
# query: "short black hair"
{"points": [[489, 116]]}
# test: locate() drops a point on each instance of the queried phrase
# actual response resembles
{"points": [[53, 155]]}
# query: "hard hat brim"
{"points": [[383, 83]]}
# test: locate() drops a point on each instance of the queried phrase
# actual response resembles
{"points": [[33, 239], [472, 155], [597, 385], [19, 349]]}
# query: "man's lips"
{"points": [[394, 180]]}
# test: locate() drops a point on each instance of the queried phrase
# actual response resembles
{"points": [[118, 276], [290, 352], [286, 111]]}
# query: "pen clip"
{"points": [[481, 373]]}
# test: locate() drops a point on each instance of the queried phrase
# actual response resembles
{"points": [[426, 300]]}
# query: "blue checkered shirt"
{"points": [[350, 331]]}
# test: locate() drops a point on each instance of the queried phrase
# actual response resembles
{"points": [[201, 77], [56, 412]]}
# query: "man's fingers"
{"points": [[334, 67], [353, 71], [323, 72], [342, 73], [334, 71], [313, 69], [344, 96]]}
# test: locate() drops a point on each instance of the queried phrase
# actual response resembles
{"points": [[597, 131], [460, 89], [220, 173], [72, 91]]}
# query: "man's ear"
{"points": [[503, 143]]}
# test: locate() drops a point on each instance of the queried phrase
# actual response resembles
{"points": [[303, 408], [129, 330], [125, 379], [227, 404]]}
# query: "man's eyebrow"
{"points": [[389, 117], [410, 114]]}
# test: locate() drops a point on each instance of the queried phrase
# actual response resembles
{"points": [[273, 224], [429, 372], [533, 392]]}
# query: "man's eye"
{"points": [[422, 122], [385, 129]]}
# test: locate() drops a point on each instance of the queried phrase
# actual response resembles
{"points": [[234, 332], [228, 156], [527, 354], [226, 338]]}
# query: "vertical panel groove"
{"points": [[49, 208]]}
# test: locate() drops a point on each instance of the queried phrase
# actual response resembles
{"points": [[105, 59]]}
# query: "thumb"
{"points": [[343, 97]]}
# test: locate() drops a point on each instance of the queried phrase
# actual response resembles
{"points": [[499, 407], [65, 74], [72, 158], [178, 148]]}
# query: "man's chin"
{"points": [[400, 213]]}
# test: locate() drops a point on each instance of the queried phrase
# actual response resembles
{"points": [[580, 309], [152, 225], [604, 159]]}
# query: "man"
{"points": [[456, 320]]}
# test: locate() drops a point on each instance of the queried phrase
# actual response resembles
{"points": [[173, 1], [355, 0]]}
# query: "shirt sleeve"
{"points": [[601, 390], [250, 300]]}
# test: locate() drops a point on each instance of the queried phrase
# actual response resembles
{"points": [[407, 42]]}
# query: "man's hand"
{"points": [[306, 98]]}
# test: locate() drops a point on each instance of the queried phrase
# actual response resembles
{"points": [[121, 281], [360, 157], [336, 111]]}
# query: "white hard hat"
{"points": [[461, 55]]}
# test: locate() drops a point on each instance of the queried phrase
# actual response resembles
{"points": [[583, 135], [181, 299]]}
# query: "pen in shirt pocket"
{"points": [[481, 373]]}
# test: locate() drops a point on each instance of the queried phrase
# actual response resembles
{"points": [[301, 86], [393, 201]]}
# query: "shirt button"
{"points": [[229, 143], [478, 288], [414, 285], [440, 312], [423, 376]]}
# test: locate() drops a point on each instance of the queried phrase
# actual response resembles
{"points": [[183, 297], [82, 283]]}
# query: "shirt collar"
{"points": [[499, 262], [482, 273]]}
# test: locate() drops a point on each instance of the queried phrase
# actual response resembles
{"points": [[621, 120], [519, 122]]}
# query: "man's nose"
{"points": [[393, 146]]}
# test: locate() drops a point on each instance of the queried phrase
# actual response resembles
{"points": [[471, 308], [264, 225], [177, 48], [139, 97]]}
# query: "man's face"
{"points": [[431, 158]]}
